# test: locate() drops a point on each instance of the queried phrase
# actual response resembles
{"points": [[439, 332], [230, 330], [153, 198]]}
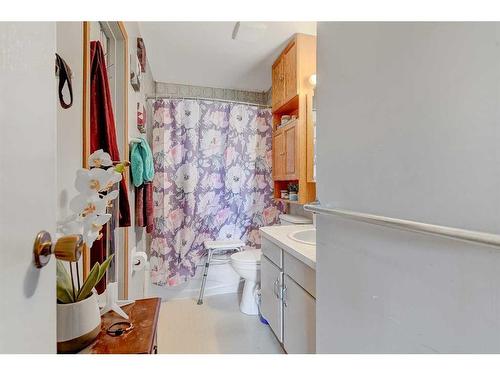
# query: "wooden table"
{"points": [[143, 314]]}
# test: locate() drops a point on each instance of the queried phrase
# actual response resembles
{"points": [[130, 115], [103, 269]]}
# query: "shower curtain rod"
{"points": [[209, 99]]}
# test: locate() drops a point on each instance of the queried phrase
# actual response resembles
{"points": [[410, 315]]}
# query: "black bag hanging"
{"points": [[64, 72]]}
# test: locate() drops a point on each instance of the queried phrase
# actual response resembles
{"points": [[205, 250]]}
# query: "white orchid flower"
{"points": [[100, 159], [91, 181], [113, 177], [88, 205], [92, 227], [111, 195], [70, 225], [108, 198]]}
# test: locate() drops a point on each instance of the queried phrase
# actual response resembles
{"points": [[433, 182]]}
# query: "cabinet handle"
{"points": [[284, 295], [275, 286]]}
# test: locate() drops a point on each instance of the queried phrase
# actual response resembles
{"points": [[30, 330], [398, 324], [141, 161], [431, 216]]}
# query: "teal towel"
{"points": [[141, 162]]}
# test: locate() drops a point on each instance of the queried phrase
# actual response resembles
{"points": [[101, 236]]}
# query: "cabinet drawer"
{"points": [[303, 275], [272, 252]]}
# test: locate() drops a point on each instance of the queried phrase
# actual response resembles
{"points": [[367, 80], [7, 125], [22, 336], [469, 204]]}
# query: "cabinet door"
{"points": [[299, 319], [271, 306], [278, 82], [290, 152], [290, 73], [278, 155]]}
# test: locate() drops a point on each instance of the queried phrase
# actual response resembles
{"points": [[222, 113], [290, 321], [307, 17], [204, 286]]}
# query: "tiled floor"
{"points": [[217, 326]]}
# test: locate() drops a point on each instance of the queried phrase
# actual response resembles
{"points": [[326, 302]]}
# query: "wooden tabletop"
{"points": [[143, 314]]}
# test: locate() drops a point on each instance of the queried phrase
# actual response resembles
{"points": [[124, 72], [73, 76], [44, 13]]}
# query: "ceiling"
{"points": [[205, 54]]}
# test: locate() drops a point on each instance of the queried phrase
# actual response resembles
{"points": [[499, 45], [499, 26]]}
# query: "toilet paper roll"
{"points": [[139, 260]]}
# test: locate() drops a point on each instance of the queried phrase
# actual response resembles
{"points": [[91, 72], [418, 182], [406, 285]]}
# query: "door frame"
{"points": [[86, 134]]}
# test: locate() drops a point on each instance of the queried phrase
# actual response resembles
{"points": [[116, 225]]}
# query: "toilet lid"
{"points": [[247, 256]]}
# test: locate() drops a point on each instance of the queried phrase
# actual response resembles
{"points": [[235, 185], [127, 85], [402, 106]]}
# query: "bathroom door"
{"points": [[27, 185]]}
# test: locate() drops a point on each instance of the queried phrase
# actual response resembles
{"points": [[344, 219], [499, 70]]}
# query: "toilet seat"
{"points": [[247, 257]]}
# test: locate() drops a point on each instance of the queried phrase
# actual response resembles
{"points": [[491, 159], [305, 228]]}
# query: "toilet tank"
{"points": [[287, 219]]}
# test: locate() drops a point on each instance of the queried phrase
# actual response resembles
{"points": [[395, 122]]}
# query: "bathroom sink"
{"points": [[307, 236]]}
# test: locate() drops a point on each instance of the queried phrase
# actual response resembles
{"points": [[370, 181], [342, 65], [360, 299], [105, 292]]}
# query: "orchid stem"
{"points": [[72, 280], [78, 276]]}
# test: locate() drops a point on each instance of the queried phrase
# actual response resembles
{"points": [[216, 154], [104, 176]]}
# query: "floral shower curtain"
{"points": [[212, 181]]}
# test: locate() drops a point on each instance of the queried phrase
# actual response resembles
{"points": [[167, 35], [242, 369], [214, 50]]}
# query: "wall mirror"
{"points": [[114, 42]]}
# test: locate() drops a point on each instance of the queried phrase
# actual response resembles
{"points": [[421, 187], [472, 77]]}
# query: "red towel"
{"points": [[139, 206], [102, 121], [103, 136], [144, 206], [148, 206]]}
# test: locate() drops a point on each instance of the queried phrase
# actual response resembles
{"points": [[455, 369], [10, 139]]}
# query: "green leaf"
{"points": [[89, 284], [104, 267], [64, 296], [64, 286], [120, 168]]}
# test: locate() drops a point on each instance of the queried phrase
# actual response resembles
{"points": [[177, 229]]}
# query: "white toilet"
{"points": [[246, 263]]}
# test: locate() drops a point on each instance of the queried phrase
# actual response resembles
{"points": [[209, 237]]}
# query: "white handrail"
{"points": [[408, 225]]}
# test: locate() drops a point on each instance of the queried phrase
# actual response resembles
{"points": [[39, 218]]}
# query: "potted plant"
{"points": [[293, 190], [78, 315]]}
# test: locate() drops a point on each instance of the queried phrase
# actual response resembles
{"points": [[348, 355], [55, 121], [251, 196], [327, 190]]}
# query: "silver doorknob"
{"points": [[68, 248]]}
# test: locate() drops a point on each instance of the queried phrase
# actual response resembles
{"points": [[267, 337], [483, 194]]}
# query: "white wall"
{"points": [[69, 38], [408, 127]]}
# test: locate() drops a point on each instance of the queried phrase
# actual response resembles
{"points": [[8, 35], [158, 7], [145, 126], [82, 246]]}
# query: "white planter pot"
{"points": [[78, 324]]}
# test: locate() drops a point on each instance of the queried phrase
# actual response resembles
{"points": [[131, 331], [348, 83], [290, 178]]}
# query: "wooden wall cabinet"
{"points": [[284, 75], [290, 91], [278, 82], [290, 73], [284, 153], [289, 133], [278, 155]]}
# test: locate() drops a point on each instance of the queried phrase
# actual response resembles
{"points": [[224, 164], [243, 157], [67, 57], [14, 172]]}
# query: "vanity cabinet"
{"points": [[299, 313], [271, 306], [288, 299]]}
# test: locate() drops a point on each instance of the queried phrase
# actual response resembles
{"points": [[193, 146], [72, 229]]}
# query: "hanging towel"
{"points": [[148, 206], [103, 136], [139, 206], [144, 206], [102, 121], [141, 160]]}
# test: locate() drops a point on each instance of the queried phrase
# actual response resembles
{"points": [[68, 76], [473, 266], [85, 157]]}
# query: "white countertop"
{"points": [[278, 234]]}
